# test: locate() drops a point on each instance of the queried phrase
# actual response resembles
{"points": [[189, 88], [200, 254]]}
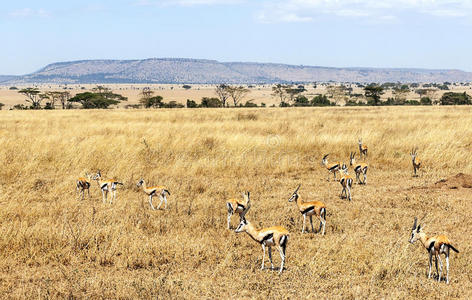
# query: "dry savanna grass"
{"points": [[53, 245]]}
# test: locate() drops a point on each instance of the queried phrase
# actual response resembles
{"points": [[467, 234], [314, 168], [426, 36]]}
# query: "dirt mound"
{"points": [[457, 181]]}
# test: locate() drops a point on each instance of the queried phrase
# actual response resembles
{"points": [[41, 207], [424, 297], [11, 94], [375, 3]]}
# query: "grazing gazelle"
{"points": [[346, 182], [83, 183], [332, 168], [276, 236], [240, 207], [415, 161], [435, 245], [107, 186], [362, 149], [152, 191], [360, 168], [309, 209]]}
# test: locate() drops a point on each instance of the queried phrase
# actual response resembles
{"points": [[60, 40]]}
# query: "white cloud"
{"points": [[374, 10], [29, 12]]}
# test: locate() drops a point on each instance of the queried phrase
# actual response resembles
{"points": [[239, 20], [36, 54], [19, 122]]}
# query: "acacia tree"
{"points": [[279, 91], [401, 93], [221, 91], [237, 93], [33, 96], [373, 91], [58, 96]]}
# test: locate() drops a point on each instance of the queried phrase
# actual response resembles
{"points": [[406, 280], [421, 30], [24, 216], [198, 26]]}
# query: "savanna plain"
{"points": [[54, 245]]}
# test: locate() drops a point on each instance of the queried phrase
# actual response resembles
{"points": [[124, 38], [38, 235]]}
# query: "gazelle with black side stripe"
{"points": [[107, 186], [83, 183], [359, 168], [240, 207], [152, 191], [310, 209], [362, 149], [415, 160], [332, 168], [435, 245], [276, 236], [346, 182]]}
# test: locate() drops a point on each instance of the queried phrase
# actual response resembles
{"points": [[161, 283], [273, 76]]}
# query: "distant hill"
{"points": [[4, 78], [178, 70]]}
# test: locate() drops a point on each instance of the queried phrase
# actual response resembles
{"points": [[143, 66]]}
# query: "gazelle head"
{"points": [[140, 182], [344, 168], [324, 161], [413, 153], [415, 231], [359, 141], [352, 158], [242, 225], [97, 176], [294, 196]]}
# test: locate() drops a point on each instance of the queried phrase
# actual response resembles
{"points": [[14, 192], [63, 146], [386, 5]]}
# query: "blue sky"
{"points": [[338, 33]]}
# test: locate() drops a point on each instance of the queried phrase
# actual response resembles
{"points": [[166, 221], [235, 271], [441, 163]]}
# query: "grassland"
{"points": [[53, 245]]}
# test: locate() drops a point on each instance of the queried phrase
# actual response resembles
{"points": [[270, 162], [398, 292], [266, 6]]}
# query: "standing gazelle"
{"points": [[83, 183], [346, 182], [107, 186], [152, 191], [311, 208], [276, 236], [240, 207], [360, 168], [435, 245], [415, 161], [362, 149], [332, 168]]}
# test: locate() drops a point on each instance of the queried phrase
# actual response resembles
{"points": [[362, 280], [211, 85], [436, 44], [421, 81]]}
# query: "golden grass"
{"points": [[53, 245]]}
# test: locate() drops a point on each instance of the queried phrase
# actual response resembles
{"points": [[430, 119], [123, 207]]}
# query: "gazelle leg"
{"points": [[365, 178], [324, 227], [447, 268], [113, 196], [430, 264], [304, 219], [229, 220], [321, 224], [311, 222], [349, 191], [88, 191], [282, 256], [165, 202], [270, 258], [103, 196], [160, 203], [263, 256], [436, 264], [440, 268], [150, 202]]}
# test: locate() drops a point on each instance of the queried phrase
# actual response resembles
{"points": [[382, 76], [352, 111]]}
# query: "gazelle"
{"points": [[435, 245], [107, 186], [276, 236], [332, 168], [309, 209], [360, 168], [240, 207], [415, 161], [152, 191], [83, 183], [362, 149], [346, 182]]}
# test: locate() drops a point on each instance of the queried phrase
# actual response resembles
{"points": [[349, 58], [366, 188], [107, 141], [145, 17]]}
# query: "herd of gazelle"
{"points": [[277, 236]]}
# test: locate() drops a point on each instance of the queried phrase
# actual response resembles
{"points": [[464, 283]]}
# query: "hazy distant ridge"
{"points": [[179, 70]]}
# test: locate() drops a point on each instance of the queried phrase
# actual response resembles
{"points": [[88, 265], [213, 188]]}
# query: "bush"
{"points": [[13, 88], [302, 101], [451, 98], [284, 104], [210, 102], [191, 104], [426, 101], [173, 104], [1, 105], [250, 104], [187, 87], [20, 107], [321, 100], [154, 102]]}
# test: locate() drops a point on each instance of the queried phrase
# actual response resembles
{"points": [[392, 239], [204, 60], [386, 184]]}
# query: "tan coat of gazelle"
{"points": [[346, 183], [152, 191], [106, 186], [236, 206], [276, 236], [435, 245], [310, 209], [83, 183], [362, 149]]}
